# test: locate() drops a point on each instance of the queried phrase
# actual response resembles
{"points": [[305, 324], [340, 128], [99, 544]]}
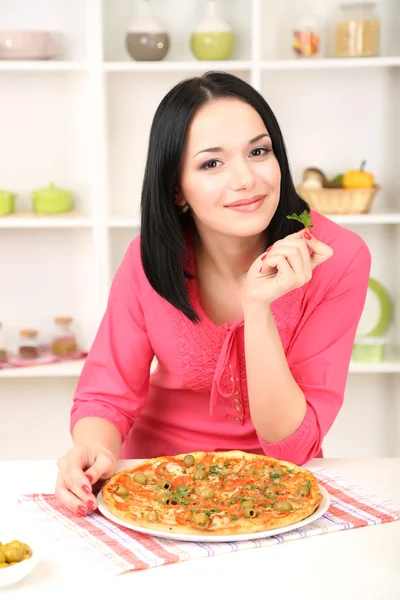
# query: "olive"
{"points": [[12, 553], [283, 506], [188, 460], [27, 552], [249, 512], [2, 556], [4, 565], [201, 519], [276, 473], [165, 484], [303, 490], [207, 493], [121, 490], [269, 491], [199, 474], [247, 504], [152, 517], [163, 498], [140, 478]]}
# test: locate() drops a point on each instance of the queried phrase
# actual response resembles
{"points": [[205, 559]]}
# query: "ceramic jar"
{"points": [[213, 38], [146, 39]]}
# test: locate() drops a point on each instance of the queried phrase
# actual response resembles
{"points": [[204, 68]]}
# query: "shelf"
{"points": [[42, 65], [389, 366], [330, 63], [177, 66], [30, 220], [367, 219], [70, 368]]}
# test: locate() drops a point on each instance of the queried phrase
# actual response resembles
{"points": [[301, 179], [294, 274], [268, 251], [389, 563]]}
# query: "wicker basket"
{"points": [[339, 201]]}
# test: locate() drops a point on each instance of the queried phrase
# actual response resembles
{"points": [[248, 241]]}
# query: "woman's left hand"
{"points": [[287, 265]]}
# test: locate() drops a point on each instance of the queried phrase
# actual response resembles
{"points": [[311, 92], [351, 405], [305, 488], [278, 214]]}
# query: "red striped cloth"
{"points": [[116, 549]]}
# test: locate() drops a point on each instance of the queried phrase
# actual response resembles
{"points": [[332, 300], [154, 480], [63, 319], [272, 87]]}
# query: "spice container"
{"points": [[64, 341], [28, 345], [307, 34], [357, 30], [3, 351]]}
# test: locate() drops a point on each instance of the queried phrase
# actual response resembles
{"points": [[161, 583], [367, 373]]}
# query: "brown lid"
{"points": [[28, 332], [63, 320]]}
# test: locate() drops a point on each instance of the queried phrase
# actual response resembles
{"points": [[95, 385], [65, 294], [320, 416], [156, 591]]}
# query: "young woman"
{"points": [[251, 317]]}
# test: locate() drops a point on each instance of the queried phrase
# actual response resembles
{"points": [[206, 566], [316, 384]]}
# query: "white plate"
{"points": [[16, 530], [323, 507]]}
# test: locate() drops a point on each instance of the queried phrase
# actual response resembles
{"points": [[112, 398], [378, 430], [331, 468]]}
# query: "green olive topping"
{"points": [[201, 520], [247, 504], [199, 474], [207, 493], [249, 512], [121, 491], [163, 498], [140, 478], [276, 474], [303, 490], [269, 491], [283, 506], [165, 484], [188, 460]]}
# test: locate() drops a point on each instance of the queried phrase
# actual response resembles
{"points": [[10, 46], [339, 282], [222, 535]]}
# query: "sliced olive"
{"points": [[249, 512], [283, 506], [207, 493], [152, 517], [121, 490], [199, 474], [247, 504], [201, 519], [269, 491], [165, 484], [163, 498], [303, 490], [188, 460], [140, 478], [276, 473]]}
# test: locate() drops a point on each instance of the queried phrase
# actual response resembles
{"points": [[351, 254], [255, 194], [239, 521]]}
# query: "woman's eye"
{"points": [[211, 164], [260, 151]]}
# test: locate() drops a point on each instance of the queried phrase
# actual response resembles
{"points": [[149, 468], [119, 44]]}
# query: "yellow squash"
{"points": [[358, 179]]}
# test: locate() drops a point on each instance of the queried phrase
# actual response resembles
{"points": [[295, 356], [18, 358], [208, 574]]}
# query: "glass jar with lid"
{"points": [[307, 32], [64, 341], [28, 344], [357, 30]]}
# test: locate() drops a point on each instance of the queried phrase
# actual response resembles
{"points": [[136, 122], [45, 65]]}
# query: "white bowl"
{"points": [[26, 45], [17, 531]]}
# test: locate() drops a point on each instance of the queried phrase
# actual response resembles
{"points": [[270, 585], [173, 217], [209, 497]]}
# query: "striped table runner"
{"points": [[113, 549]]}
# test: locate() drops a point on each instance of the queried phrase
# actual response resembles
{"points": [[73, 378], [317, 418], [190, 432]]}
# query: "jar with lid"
{"points": [[64, 341], [307, 32], [357, 30], [28, 344], [3, 348]]}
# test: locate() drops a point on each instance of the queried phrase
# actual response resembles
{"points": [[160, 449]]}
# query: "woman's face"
{"points": [[228, 160]]}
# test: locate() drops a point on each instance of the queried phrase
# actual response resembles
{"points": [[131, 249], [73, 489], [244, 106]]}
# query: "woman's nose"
{"points": [[242, 176]]}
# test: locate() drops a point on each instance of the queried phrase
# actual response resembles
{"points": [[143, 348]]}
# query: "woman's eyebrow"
{"points": [[219, 149]]}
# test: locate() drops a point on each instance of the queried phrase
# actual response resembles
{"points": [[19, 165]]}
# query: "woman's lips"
{"points": [[249, 207]]}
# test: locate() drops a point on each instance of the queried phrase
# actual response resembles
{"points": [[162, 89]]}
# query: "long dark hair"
{"points": [[162, 226]]}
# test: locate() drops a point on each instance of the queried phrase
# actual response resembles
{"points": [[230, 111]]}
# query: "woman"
{"points": [[251, 317]]}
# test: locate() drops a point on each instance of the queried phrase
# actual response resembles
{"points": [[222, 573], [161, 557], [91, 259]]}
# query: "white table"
{"points": [[363, 564]]}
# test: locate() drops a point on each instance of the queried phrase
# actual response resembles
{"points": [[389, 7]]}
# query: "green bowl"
{"points": [[212, 46], [369, 349], [52, 200], [7, 202]]}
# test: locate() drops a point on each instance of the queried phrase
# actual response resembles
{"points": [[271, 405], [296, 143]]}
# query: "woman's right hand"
{"points": [[78, 470]]}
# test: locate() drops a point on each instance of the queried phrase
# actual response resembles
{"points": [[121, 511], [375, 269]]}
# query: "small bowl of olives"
{"points": [[18, 554]]}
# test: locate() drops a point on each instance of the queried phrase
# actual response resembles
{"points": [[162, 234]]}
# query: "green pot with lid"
{"points": [[52, 200], [7, 202]]}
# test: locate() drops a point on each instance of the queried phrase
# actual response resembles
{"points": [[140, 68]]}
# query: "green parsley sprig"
{"points": [[305, 218]]}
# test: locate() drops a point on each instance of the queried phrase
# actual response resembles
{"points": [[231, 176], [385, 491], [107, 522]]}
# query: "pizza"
{"points": [[212, 493]]}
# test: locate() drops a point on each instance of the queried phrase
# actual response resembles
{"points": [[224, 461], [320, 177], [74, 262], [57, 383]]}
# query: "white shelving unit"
{"points": [[83, 121]]}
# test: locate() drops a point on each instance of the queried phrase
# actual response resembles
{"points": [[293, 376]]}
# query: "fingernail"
{"points": [[82, 510], [307, 235], [91, 505], [89, 477], [260, 269], [86, 489], [266, 252]]}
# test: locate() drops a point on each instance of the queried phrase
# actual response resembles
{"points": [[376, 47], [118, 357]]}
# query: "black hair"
{"points": [[163, 226]]}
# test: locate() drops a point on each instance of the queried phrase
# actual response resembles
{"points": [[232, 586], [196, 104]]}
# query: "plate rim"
{"points": [[184, 537]]}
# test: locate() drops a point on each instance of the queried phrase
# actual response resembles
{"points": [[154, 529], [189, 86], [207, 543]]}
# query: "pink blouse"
{"points": [[197, 397]]}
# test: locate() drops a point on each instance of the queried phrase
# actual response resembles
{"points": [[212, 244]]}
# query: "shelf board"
{"points": [[42, 65], [31, 220], [367, 219], [387, 366], [69, 368], [330, 63], [177, 66]]}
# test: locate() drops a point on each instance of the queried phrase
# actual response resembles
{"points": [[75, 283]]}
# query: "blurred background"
{"points": [[79, 83]]}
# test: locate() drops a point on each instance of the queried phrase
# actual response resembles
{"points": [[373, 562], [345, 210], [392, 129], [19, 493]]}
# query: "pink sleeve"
{"points": [[114, 381], [319, 360]]}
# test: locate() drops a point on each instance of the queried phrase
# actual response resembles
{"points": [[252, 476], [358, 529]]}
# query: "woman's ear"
{"points": [[179, 199]]}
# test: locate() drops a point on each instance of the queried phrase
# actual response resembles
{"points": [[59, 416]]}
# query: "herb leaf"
{"points": [[304, 218]]}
